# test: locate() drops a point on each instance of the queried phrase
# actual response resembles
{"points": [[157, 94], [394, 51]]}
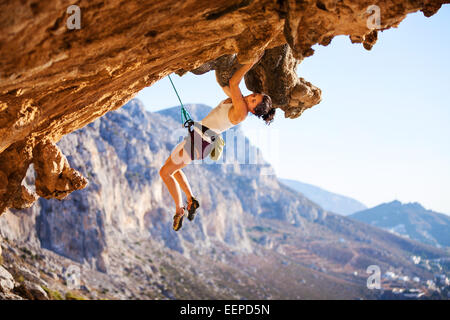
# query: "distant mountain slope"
{"points": [[329, 201], [410, 220], [253, 237]]}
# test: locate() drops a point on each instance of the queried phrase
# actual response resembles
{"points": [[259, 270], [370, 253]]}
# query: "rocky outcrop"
{"points": [[54, 177], [55, 79], [31, 291], [275, 74], [12, 290], [6, 281]]}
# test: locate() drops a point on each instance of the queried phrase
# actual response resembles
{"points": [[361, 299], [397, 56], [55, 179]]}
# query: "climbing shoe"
{"points": [[178, 220], [191, 209]]}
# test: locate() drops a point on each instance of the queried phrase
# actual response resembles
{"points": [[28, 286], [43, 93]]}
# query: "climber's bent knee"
{"points": [[164, 172]]}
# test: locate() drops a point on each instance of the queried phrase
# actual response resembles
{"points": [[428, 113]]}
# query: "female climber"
{"points": [[198, 143]]}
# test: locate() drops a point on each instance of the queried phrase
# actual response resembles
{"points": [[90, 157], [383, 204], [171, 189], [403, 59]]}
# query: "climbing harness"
{"points": [[187, 122]]}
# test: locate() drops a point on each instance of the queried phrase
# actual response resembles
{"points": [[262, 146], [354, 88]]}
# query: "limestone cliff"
{"points": [[121, 154], [117, 230], [54, 80]]}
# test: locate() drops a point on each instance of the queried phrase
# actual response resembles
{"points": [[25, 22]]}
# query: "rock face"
{"points": [[117, 232], [275, 74], [121, 153], [54, 80], [6, 281], [31, 291]]}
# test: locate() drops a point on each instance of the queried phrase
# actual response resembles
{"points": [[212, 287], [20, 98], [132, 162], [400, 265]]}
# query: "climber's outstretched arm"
{"points": [[240, 73], [227, 91], [239, 110]]}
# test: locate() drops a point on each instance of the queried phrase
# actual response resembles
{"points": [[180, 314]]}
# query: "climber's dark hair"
{"points": [[265, 110]]}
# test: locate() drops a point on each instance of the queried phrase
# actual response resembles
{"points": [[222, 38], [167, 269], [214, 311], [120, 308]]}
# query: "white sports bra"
{"points": [[217, 119]]}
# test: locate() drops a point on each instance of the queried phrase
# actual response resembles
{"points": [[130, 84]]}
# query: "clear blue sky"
{"points": [[382, 130]]}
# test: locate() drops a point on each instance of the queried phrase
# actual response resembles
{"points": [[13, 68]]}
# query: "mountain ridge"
{"points": [[409, 219], [330, 201]]}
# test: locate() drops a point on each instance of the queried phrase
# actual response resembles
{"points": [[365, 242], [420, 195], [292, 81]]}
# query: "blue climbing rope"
{"points": [[186, 119]]}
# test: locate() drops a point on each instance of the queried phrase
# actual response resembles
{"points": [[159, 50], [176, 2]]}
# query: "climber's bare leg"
{"points": [[184, 184], [176, 161]]}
